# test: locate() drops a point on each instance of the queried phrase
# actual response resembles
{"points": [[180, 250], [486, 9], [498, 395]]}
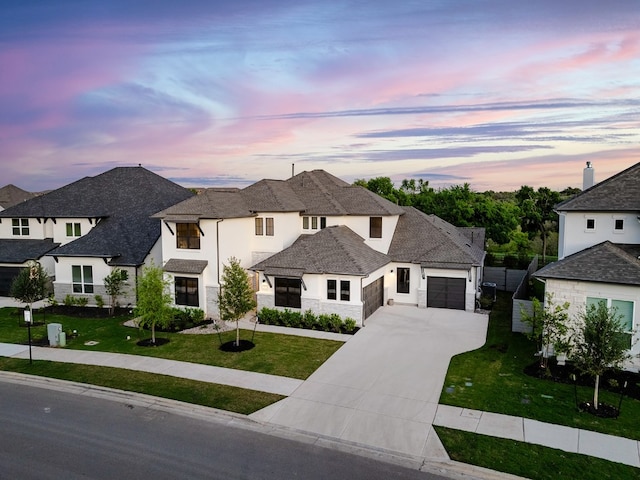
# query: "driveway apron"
{"points": [[381, 389]]}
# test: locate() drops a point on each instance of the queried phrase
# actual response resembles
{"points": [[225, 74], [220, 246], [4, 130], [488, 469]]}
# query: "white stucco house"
{"points": [[316, 242], [82, 231], [599, 250]]}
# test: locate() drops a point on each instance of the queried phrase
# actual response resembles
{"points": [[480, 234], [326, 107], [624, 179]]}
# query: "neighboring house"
{"points": [[316, 242], [599, 250], [84, 230], [11, 195]]}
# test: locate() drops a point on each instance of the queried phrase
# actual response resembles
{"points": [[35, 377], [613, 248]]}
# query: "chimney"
{"points": [[588, 177]]}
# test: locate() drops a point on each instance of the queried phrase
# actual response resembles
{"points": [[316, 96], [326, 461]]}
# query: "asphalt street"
{"points": [[49, 434]]}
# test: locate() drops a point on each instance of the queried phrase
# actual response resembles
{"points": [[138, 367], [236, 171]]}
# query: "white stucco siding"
{"points": [[63, 284], [360, 225], [415, 283], [36, 230], [576, 293], [575, 236], [59, 229]]}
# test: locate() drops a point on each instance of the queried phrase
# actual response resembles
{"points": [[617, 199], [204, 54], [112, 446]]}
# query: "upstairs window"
{"points": [[259, 226], [188, 235], [20, 226], [591, 223], [312, 223], [618, 225], [269, 229], [82, 278], [402, 282], [73, 230], [375, 227]]}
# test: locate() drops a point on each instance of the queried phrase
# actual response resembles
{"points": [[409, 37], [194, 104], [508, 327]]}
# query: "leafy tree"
{"points": [[114, 284], [236, 295], [549, 327], [31, 284], [154, 301], [538, 216], [598, 343]]}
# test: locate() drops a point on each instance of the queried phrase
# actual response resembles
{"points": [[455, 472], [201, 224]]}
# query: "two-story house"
{"points": [[599, 250], [316, 242], [82, 231]]}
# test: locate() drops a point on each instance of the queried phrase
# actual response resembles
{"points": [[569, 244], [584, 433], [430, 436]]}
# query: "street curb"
{"points": [[450, 468]]}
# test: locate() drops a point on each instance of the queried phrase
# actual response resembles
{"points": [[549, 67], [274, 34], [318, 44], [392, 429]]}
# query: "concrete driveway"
{"points": [[381, 389]]}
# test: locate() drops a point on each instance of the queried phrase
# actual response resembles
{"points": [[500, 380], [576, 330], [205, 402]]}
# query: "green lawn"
{"points": [[492, 379], [285, 355], [201, 393]]}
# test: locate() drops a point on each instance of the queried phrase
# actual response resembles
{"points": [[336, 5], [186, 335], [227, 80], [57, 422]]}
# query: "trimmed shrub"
{"points": [[349, 325]]}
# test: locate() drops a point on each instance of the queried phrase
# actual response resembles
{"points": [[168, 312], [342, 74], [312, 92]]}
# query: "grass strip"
{"points": [[528, 460], [224, 397]]}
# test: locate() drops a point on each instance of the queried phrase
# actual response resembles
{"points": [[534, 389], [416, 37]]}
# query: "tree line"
{"points": [[515, 222]]}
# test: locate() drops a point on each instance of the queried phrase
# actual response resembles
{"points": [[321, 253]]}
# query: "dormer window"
{"points": [[73, 230], [312, 223]]}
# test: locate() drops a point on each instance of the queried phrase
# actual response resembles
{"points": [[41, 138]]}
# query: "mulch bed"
{"points": [[233, 347], [147, 342]]}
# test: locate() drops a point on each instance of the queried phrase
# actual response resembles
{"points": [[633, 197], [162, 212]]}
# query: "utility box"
{"points": [[53, 334], [62, 337], [489, 290]]}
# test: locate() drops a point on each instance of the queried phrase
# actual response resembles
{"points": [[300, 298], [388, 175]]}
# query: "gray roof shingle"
{"points": [[620, 192], [19, 251], [334, 250], [432, 242], [122, 199], [605, 263], [310, 193], [179, 265]]}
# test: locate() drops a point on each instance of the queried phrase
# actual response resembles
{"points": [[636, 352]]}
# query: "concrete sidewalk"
{"points": [[193, 371], [574, 440]]}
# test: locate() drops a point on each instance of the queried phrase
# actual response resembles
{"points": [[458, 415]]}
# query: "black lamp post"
{"points": [[27, 319]]}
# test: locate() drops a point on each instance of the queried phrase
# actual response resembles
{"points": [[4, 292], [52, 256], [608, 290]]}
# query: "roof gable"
{"points": [[620, 192], [432, 242], [605, 263], [334, 250]]}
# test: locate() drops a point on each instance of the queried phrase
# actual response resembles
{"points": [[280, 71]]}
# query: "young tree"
{"points": [[548, 327], [236, 295], [538, 216], [154, 301], [31, 284], [598, 343], [114, 284]]}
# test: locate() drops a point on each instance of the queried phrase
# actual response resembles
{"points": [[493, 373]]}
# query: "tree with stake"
{"points": [[548, 327], [114, 284], [599, 343], [236, 295], [30, 285], [154, 301]]}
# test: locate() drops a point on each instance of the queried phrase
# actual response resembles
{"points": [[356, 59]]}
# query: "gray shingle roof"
{"points": [[605, 263], [179, 265], [310, 193], [211, 203], [19, 251], [11, 195], [123, 199], [618, 193], [432, 242], [334, 250]]}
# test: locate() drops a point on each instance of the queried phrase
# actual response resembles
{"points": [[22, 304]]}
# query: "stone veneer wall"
{"points": [[211, 309], [61, 290]]}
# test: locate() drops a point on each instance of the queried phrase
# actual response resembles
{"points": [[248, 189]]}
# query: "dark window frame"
{"points": [[287, 292], [403, 280], [187, 236], [332, 289], [591, 224], [345, 290], [82, 279], [375, 227], [187, 291], [20, 227], [618, 224], [269, 226]]}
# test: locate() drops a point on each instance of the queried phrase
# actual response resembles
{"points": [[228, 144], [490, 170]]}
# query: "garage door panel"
{"points": [[373, 296], [7, 274], [445, 292]]}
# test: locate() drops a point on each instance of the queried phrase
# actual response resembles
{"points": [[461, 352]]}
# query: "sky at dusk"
{"points": [[497, 94]]}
